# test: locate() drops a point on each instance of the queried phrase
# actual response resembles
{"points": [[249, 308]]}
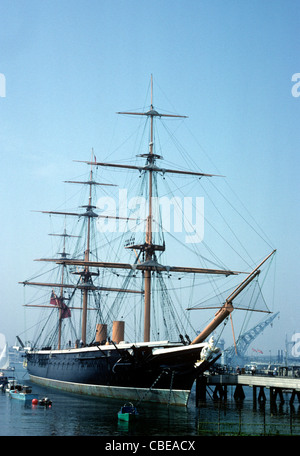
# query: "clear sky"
{"points": [[69, 65]]}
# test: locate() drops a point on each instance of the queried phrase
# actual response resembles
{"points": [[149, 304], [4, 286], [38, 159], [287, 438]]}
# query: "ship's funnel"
{"points": [[118, 331], [101, 333]]}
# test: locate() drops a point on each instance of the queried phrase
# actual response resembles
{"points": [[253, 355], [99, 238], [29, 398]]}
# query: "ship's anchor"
{"points": [[152, 386], [171, 386], [154, 383]]}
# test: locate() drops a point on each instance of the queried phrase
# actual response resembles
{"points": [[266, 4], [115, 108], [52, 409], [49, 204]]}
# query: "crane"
{"points": [[238, 351]]}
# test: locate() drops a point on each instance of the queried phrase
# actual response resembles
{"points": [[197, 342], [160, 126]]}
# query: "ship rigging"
{"points": [[133, 366]]}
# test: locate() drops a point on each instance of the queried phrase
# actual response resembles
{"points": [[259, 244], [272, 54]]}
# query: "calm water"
{"points": [[74, 415]]}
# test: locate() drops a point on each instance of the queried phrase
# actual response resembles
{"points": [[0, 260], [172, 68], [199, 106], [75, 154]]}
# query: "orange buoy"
{"points": [[34, 401]]}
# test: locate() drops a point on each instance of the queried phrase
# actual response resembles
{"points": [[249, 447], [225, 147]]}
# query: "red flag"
{"points": [[259, 351], [56, 301], [253, 349], [65, 311]]}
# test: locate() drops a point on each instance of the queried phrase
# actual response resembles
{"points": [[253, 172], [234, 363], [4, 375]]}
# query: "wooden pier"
{"points": [[276, 386]]}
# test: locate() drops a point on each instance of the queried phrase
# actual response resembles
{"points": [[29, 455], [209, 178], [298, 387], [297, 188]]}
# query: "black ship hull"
{"points": [[131, 372]]}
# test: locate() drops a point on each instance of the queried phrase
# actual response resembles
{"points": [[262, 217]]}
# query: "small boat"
{"points": [[127, 412], [45, 401], [25, 394], [13, 385]]}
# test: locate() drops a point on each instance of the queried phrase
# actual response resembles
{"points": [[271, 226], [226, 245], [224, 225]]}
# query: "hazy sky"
{"points": [[67, 66]]}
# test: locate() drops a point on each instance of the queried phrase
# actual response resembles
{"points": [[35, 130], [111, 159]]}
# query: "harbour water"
{"points": [[75, 415]]}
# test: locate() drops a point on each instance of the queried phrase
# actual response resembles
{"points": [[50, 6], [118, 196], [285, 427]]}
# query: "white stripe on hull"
{"points": [[162, 396]]}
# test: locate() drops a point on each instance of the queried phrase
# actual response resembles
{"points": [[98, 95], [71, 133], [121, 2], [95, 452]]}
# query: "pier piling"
{"points": [[293, 395], [239, 394], [261, 394], [201, 384]]}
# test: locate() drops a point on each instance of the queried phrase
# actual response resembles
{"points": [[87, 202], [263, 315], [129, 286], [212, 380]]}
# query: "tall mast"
{"points": [[61, 293], [63, 256], [86, 275], [86, 283], [147, 274], [149, 247]]}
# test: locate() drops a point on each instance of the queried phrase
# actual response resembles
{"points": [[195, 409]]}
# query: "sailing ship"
{"points": [[103, 362]]}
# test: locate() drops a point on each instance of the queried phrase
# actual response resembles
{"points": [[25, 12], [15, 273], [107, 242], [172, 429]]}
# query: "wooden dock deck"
{"points": [[275, 384]]}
